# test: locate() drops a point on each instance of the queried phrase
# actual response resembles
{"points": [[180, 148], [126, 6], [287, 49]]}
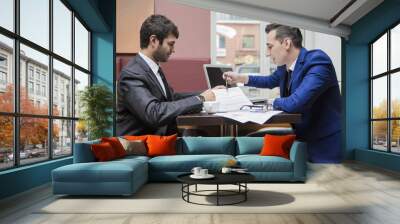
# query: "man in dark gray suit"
{"points": [[146, 103]]}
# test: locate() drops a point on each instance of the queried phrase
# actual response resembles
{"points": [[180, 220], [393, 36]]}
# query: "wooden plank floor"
{"points": [[378, 189]]}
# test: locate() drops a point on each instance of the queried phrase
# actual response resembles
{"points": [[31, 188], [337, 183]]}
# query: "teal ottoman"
{"points": [[119, 177]]}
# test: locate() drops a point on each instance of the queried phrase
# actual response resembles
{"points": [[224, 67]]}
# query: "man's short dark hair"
{"points": [[283, 31], [158, 25]]}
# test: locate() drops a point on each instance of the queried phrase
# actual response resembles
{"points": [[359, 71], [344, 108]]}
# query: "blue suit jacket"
{"points": [[314, 92]]}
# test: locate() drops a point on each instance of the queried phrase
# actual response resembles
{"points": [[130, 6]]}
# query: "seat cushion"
{"points": [[249, 145], [112, 171], [257, 163], [184, 163], [207, 145]]}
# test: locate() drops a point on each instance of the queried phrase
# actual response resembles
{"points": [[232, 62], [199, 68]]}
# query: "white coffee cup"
{"points": [[211, 106], [226, 170], [196, 170], [203, 172]]}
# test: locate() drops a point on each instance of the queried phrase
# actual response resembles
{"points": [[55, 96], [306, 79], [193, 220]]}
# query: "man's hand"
{"points": [[233, 78], [208, 95]]}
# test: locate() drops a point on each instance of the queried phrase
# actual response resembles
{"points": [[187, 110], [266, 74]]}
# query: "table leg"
{"points": [[182, 189], [217, 194], [245, 193], [188, 190]]}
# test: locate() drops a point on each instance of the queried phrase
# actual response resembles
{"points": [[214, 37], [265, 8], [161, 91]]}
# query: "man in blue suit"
{"points": [[308, 85]]}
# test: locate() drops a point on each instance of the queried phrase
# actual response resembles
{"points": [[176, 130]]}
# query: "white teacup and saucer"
{"points": [[199, 173]]}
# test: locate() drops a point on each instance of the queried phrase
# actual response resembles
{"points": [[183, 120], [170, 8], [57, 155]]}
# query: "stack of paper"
{"points": [[231, 99]]}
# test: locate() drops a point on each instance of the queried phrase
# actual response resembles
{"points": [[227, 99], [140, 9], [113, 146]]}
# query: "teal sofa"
{"points": [[125, 176]]}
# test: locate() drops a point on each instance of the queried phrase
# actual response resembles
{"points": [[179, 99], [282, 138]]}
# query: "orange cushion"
{"points": [[136, 137], [116, 145], [103, 151], [277, 145], [161, 145]]}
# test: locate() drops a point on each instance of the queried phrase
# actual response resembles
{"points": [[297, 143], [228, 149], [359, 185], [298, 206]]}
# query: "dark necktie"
{"points": [[287, 86], [160, 71]]}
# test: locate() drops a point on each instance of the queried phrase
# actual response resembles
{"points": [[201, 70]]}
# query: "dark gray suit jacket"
{"points": [[142, 107]]}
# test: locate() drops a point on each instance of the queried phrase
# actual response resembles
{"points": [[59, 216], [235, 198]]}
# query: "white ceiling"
{"points": [[320, 9], [316, 15]]}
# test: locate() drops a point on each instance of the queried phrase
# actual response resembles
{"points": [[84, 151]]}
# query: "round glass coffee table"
{"points": [[238, 179]]}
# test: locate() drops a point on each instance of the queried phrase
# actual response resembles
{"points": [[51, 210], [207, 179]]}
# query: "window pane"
{"points": [[81, 131], [6, 142], [34, 72], [62, 29], [7, 14], [379, 135], [395, 47], [395, 95], [62, 141], [6, 74], [221, 42], [248, 41], [81, 81], [62, 89], [81, 45], [238, 42], [379, 97], [395, 136], [35, 21], [33, 139], [379, 55]]}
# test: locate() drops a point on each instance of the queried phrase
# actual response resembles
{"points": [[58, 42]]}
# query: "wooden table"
{"points": [[228, 126]]}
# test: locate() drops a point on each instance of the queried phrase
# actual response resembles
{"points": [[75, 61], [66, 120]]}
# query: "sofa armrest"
{"points": [[298, 155], [83, 152]]}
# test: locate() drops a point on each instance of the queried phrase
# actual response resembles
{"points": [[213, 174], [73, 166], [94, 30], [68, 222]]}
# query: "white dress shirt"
{"points": [[291, 68], [154, 67]]}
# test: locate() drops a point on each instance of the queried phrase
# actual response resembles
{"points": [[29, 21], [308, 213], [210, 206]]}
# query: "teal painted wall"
{"points": [[99, 15], [102, 59], [357, 83], [24, 178], [103, 53]]}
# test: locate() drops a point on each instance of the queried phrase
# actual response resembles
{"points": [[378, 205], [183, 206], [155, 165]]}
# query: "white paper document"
{"points": [[246, 116], [231, 99]]}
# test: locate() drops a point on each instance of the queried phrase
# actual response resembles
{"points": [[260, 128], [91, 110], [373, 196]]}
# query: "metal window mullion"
{"points": [[89, 53], [114, 78], [73, 82], [371, 89], [389, 115], [16, 84], [50, 81], [263, 62], [371, 133]]}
